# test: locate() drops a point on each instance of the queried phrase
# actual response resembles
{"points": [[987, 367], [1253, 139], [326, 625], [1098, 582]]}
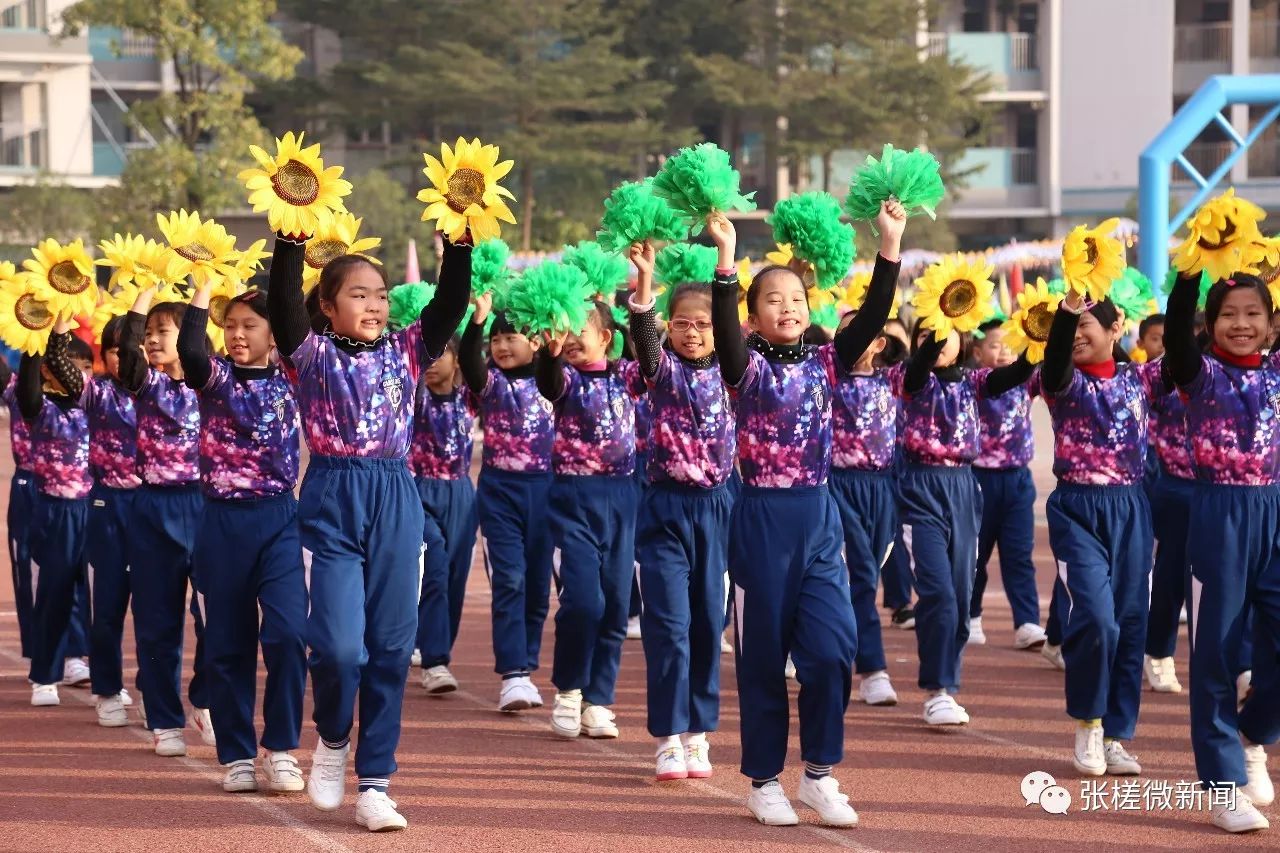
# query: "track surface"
{"points": [[475, 780]]}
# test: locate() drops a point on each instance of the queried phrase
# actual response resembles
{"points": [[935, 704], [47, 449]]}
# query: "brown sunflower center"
{"points": [[1090, 250], [1267, 271], [296, 184], [320, 252], [65, 278], [958, 298], [218, 306], [195, 252], [1224, 237], [1037, 322], [466, 187], [32, 313]]}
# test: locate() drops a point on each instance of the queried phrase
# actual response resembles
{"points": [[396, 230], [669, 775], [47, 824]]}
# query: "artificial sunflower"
{"points": [[1221, 237], [249, 261], [337, 238], [26, 315], [68, 273], [1028, 329], [219, 301], [954, 294], [8, 273], [137, 260], [1092, 259], [295, 189], [464, 191], [855, 294], [203, 248], [118, 303]]}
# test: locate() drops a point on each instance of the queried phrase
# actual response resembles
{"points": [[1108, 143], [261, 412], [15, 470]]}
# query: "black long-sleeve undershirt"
{"points": [[6, 373], [133, 364], [548, 372], [471, 358], [920, 364], [731, 348], [1182, 358], [1057, 369], [647, 341], [1004, 379], [30, 393], [852, 341], [193, 348]]}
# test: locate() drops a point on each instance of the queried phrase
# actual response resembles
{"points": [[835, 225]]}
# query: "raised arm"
{"points": [[548, 370], [852, 341], [133, 364], [1004, 379], [286, 306], [193, 341], [470, 352], [731, 349], [644, 321], [59, 363], [440, 317], [1181, 355], [29, 392], [6, 373], [1056, 371], [920, 363]]}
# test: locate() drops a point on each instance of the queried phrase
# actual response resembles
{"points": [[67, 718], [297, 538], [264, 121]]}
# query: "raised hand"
{"points": [[725, 236], [484, 305], [891, 222]]}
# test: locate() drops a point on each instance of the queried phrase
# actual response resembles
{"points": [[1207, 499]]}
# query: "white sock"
{"points": [[694, 738], [667, 742]]}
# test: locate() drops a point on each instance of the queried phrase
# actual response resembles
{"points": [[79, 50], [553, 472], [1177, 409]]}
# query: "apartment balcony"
{"points": [[25, 39], [123, 59], [109, 158], [22, 149], [1264, 46], [1001, 182], [1011, 60], [1199, 51]]}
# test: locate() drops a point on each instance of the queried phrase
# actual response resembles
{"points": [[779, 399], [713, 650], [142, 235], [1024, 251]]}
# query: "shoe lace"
{"points": [[671, 753], [1115, 750], [696, 751]]}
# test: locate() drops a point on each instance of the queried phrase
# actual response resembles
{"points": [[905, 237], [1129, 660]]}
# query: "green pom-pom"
{"points": [[551, 297], [617, 345], [696, 181], [1057, 286], [909, 176], [632, 214], [810, 222], [621, 315], [679, 263], [605, 271], [489, 266], [827, 317], [407, 302], [1132, 294], [1171, 278]]}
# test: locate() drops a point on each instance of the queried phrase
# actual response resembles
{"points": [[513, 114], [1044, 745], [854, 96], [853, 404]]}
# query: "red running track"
{"points": [[474, 780]]}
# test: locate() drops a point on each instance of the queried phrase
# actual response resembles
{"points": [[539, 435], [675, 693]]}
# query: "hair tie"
{"points": [[1231, 282]]}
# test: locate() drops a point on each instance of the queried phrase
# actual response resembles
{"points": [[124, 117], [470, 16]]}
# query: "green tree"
{"points": [[218, 49], [391, 212]]}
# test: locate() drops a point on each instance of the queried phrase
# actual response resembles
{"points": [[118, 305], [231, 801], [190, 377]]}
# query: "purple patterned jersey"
{"points": [[784, 420], [1005, 439], [643, 405], [19, 432], [358, 404], [864, 422], [1167, 425], [60, 451], [441, 447], [596, 424], [113, 433], [1233, 418], [518, 424], [248, 434], [693, 438], [168, 431], [1100, 427], [940, 421]]}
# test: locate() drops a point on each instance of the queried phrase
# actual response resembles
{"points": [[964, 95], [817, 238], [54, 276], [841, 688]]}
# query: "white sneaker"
{"points": [[770, 806], [415, 659], [941, 709], [1089, 758], [790, 669], [1053, 654], [75, 672], [438, 680], [535, 695], [169, 742], [566, 714], [726, 647], [597, 721], [125, 698], [697, 759], [670, 763], [240, 777], [111, 712], [1244, 683], [977, 637], [1119, 761], [327, 783], [876, 689], [824, 797], [1029, 636], [1160, 675], [1240, 816], [633, 628], [514, 695], [44, 695], [1258, 789], [204, 725], [282, 772], [377, 812], [1182, 616]]}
